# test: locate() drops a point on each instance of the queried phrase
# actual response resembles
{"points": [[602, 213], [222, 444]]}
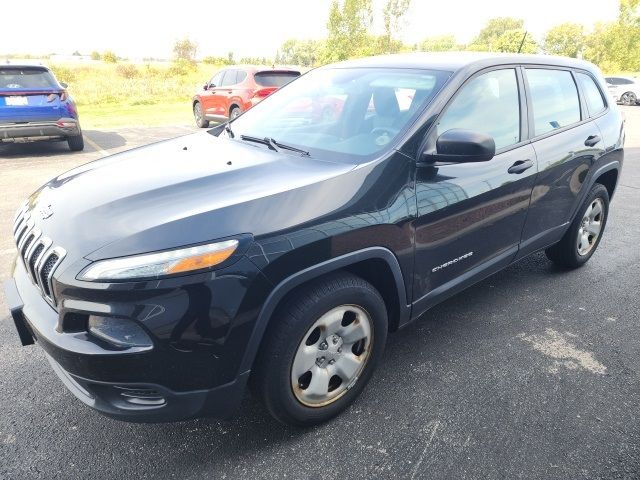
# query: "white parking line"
{"points": [[97, 147]]}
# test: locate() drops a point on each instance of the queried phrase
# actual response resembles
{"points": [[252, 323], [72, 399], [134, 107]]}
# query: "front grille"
{"points": [[39, 256]]}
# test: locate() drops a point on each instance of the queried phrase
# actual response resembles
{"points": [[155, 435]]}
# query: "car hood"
{"points": [[183, 191]]}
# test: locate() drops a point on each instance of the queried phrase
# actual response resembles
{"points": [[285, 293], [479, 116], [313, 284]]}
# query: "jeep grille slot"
{"points": [[39, 256]]}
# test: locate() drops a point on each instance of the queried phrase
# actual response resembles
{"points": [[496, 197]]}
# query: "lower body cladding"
{"points": [[22, 132], [190, 365]]}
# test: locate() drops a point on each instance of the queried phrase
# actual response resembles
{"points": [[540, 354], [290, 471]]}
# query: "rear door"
{"points": [[29, 94], [470, 215], [225, 92], [567, 143]]}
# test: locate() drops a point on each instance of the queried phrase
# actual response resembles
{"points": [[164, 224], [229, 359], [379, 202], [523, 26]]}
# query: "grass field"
{"points": [[126, 94]]}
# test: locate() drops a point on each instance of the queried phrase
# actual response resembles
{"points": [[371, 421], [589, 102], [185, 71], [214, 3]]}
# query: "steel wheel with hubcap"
{"points": [[585, 232], [331, 355], [590, 227], [321, 348]]}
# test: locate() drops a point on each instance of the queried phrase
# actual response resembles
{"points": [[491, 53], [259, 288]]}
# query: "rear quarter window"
{"points": [[592, 94], [554, 98], [275, 79]]}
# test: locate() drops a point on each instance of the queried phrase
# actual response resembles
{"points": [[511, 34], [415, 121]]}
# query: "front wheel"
{"points": [[199, 116], [321, 349], [585, 232]]}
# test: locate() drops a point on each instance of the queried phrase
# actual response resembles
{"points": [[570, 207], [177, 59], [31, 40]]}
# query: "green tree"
{"points": [[185, 49], [393, 16], [615, 46], [566, 39], [515, 41], [109, 57], [348, 25], [488, 37], [300, 52], [440, 43], [95, 55], [230, 60]]}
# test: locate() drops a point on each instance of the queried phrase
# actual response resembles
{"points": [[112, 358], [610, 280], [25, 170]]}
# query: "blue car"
{"points": [[35, 106]]}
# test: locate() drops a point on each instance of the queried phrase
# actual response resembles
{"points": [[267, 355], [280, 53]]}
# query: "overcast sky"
{"points": [[148, 29]]}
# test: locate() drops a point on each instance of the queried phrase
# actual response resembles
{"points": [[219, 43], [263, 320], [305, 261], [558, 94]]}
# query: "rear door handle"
{"points": [[520, 166], [592, 141]]}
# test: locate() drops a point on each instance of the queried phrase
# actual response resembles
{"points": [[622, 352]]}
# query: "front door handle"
{"points": [[592, 141], [520, 166]]}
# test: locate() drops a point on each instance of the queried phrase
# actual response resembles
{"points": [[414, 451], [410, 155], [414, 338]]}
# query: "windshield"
{"points": [[344, 114], [36, 78]]}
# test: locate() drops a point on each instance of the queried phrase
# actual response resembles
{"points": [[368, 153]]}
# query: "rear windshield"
{"points": [[275, 79], [17, 78]]}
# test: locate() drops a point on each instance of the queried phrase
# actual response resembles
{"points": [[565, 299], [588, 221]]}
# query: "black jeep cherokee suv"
{"points": [[279, 249]]}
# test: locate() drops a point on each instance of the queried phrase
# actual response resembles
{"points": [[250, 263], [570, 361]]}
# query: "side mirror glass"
{"points": [[461, 146], [64, 85]]}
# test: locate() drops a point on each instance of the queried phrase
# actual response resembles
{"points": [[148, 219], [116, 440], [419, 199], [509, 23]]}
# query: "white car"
{"points": [[625, 90]]}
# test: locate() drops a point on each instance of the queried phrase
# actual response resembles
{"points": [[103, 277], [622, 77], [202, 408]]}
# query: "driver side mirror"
{"points": [[64, 85], [205, 86], [461, 146]]}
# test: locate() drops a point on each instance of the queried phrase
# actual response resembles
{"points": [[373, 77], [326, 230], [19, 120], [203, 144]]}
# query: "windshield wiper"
{"points": [[287, 147], [273, 144]]}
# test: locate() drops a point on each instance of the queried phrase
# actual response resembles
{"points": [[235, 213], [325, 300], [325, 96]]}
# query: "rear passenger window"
{"points": [[229, 78], [554, 97], [488, 104], [592, 94]]}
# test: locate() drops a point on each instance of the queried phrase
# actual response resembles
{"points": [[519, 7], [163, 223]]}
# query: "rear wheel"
{"points": [[199, 116], [235, 112], [322, 349], [76, 143], [583, 237], [628, 98]]}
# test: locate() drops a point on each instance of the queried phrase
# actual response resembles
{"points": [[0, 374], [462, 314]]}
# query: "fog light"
{"points": [[119, 332]]}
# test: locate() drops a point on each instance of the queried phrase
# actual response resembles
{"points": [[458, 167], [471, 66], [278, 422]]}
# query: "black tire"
{"points": [[76, 143], [628, 98], [272, 375], [234, 112], [565, 253], [199, 116]]}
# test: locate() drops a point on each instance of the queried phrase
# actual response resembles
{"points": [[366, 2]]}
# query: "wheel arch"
{"points": [[608, 176], [364, 263]]}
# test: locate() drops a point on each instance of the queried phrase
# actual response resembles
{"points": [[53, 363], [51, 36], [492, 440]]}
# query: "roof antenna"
{"points": [[522, 42]]}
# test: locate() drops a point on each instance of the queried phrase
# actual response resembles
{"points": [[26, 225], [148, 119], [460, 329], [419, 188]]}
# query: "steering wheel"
{"points": [[389, 131], [383, 135]]}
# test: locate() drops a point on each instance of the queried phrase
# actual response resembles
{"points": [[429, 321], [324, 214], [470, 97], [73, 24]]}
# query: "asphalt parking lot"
{"points": [[533, 373]]}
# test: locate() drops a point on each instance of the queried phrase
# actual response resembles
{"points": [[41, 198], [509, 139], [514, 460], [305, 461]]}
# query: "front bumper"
{"points": [[40, 130], [174, 380]]}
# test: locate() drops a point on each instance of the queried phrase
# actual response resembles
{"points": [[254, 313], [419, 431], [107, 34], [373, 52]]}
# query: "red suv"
{"points": [[235, 89]]}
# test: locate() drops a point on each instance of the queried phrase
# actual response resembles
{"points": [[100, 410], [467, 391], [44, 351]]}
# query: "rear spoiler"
{"points": [[14, 92]]}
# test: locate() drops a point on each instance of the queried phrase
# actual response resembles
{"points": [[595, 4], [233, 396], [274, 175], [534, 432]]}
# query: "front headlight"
{"points": [[151, 265]]}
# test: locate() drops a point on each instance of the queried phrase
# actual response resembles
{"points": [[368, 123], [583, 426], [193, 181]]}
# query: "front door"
{"points": [[208, 97], [470, 215]]}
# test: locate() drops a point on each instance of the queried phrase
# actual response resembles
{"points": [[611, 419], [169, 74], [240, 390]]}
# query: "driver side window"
{"points": [[488, 104], [215, 80]]}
